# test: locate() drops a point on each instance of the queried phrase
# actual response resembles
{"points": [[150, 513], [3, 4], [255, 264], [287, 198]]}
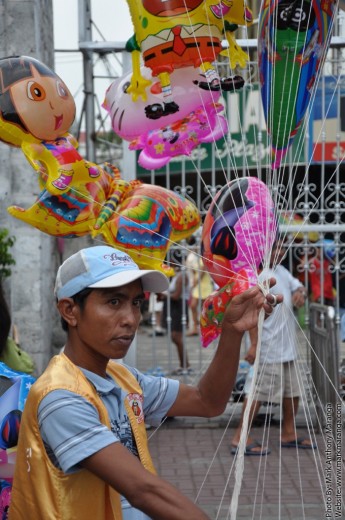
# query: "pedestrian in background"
{"points": [[201, 286], [156, 313], [277, 380], [178, 294]]}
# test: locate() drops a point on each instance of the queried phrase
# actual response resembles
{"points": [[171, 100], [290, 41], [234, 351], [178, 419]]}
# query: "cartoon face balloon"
{"points": [[173, 34], [36, 110], [35, 104], [128, 118], [77, 197], [239, 230]]}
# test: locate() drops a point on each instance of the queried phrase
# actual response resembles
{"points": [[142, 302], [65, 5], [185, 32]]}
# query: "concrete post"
{"points": [[26, 28]]}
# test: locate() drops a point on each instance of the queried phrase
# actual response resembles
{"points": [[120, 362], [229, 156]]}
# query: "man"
{"points": [[277, 380], [83, 451]]}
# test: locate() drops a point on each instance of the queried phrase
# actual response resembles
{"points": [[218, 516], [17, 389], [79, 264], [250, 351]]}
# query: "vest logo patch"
{"points": [[136, 403]]}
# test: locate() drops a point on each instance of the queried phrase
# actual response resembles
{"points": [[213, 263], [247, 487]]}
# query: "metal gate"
{"points": [[324, 357]]}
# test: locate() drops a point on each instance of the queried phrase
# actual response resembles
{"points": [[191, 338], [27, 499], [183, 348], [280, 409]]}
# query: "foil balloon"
{"points": [[292, 44], [13, 393], [238, 233], [70, 213], [239, 230], [204, 125], [128, 119], [183, 33], [215, 305], [36, 110], [59, 165], [141, 219], [148, 219], [35, 104]]}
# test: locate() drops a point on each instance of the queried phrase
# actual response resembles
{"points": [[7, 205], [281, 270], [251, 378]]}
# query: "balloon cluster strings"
{"points": [[261, 241], [263, 235], [291, 101], [239, 468], [275, 183], [237, 176]]}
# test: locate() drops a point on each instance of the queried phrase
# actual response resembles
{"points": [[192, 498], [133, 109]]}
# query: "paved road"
{"points": [[194, 454]]}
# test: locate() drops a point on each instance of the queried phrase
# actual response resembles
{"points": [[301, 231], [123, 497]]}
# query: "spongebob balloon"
{"points": [[171, 34]]}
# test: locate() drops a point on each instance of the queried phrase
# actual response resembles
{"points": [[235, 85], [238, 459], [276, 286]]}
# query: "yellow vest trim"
{"points": [[43, 492]]}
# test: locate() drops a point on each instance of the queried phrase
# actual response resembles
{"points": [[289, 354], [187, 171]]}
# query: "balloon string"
{"points": [[239, 464]]}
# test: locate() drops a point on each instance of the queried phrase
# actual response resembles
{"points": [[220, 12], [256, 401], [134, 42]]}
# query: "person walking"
{"points": [[179, 293], [277, 380]]}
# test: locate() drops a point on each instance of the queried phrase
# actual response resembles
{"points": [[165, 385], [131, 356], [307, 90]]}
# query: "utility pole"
{"points": [[85, 35]]}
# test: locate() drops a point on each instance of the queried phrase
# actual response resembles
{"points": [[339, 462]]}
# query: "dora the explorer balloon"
{"points": [[171, 34], [79, 198], [36, 111]]}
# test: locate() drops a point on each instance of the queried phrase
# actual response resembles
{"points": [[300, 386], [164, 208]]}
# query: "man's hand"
{"points": [[211, 396], [243, 311], [298, 297], [251, 354]]}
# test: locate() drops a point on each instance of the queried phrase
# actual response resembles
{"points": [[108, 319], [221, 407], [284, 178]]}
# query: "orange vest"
{"points": [[43, 492]]}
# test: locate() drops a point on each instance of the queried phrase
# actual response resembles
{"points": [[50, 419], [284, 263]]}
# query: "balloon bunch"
{"points": [[78, 197], [170, 36], [239, 229]]}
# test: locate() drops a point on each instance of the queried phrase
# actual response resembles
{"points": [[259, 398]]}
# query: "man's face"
{"points": [[107, 323]]}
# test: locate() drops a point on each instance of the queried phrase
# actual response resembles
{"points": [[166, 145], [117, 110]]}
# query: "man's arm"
{"points": [[298, 297], [210, 397], [121, 470]]}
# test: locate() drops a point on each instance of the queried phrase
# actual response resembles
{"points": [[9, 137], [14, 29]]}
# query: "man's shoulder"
{"points": [[61, 373], [281, 269]]}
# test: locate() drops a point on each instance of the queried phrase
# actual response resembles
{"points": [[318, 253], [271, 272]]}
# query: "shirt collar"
{"points": [[102, 385]]}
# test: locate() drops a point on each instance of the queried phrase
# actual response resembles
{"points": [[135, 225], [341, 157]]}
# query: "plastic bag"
{"points": [[16, 358]]}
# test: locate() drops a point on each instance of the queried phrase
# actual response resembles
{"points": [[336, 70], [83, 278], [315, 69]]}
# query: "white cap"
{"points": [[103, 266]]}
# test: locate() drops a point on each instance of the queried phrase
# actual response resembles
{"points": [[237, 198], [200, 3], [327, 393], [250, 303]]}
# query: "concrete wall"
{"points": [[26, 28]]}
